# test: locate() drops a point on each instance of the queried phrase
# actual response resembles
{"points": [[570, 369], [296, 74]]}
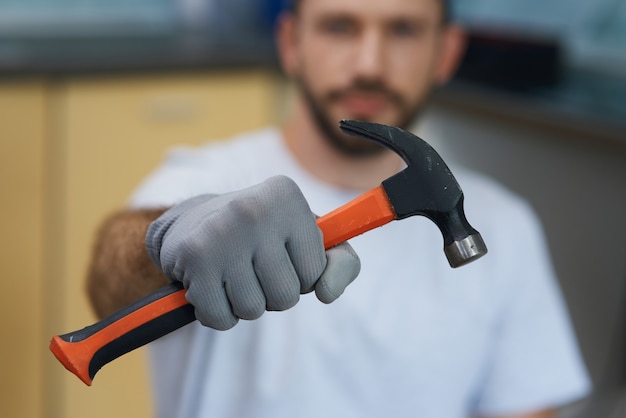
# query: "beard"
{"points": [[329, 127]]}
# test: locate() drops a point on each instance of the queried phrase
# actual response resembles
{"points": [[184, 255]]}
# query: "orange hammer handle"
{"points": [[368, 211], [85, 351]]}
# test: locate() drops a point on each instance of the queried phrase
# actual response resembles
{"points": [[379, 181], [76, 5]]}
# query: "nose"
{"points": [[369, 62]]}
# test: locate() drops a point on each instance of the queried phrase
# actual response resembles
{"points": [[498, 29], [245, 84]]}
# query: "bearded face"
{"points": [[371, 61], [328, 125]]}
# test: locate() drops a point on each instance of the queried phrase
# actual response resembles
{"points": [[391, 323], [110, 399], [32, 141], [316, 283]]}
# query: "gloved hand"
{"points": [[241, 253]]}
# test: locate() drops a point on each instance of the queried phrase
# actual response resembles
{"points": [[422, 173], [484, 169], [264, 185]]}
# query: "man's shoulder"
{"points": [[490, 205], [486, 191], [236, 147], [213, 167]]}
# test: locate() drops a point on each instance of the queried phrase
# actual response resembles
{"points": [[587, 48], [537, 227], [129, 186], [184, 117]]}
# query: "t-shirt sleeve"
{"points": [[170, 183], [185, 173], [535, 360], [215, 167]]}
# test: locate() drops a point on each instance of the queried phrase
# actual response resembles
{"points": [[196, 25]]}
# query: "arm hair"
{"points": [[121, 271]]}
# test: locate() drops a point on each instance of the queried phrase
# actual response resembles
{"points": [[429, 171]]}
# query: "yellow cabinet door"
{"points": [[23, 347]]}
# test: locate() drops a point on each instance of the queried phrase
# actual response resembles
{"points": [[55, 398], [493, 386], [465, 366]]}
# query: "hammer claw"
{"points": [[425, 187]]}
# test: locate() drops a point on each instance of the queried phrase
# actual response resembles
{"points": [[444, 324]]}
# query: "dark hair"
{"points": [[294, 5]]}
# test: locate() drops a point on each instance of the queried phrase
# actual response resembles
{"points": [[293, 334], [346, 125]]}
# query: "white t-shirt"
{"points": [[410, 337]]}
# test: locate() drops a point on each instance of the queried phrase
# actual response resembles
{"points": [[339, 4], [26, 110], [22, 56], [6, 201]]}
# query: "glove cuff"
{"points": [[158, 228]]}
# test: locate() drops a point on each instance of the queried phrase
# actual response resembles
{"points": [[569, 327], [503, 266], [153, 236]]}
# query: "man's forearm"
{"points": [[121, 271]]}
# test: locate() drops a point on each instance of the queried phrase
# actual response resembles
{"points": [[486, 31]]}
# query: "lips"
{"points": [[364, 105]]}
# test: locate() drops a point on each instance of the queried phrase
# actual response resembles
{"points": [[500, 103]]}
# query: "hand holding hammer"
{"points": [[426, 187]]}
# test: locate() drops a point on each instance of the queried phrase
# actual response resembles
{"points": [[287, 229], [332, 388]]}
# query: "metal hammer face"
{"points": [[425, 187]]}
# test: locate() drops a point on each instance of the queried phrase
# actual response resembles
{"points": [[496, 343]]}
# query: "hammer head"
{"points": [[425, 187]]}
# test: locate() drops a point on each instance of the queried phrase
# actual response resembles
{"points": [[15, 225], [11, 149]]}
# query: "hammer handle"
{"points": [[85, 351]]}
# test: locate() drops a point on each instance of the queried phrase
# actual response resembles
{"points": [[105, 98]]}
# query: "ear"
{"points": [[453, 44], [286, 42]]}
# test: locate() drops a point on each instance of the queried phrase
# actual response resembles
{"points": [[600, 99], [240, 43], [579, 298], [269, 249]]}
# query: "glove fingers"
{"points": [[278, 278], [295, 224], [306, 251], [212, 307], [341, 269], [308, 259], [245, 293]]}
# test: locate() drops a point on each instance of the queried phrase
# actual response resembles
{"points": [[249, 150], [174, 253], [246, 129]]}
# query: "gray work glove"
{"points": [[242, 253]]}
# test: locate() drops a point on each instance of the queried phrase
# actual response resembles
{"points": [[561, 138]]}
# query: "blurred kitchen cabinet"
{"points": [[114, 132], [89, 141], [22, 137]]}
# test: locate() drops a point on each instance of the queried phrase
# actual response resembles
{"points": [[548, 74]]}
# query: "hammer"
{"points": [[425, 187]]}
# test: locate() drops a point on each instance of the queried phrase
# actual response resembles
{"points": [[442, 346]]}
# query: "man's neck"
{"points": [[322, 160]]}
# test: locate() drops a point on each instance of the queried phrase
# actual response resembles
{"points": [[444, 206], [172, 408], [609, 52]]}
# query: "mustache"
{"points": [[365, 86]]}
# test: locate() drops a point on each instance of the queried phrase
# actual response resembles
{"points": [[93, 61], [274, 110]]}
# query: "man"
{"points": [[410, 336]]}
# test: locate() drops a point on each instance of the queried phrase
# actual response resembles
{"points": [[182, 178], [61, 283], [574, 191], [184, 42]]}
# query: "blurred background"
{"points": [[92, 93]]}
